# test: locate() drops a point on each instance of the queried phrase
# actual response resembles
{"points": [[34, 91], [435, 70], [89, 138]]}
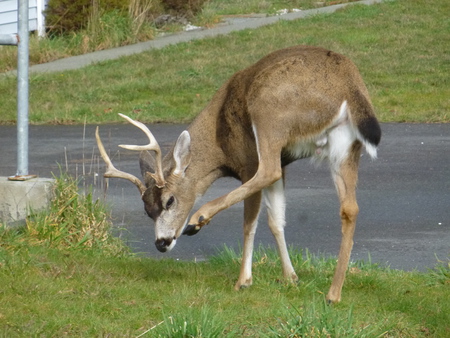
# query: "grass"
{"points": [[239, 7], [65, 274], [74, 221], [69, 287], [399, 46], [113, 28], [105, 29]]}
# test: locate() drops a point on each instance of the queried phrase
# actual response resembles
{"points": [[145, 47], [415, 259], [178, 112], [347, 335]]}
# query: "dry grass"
{"points": [[74, 221]]}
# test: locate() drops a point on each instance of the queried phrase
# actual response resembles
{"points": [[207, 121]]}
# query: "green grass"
{"points": [[86, 293], [108, 28], [400, 47], [64, 274], [239, 7]]}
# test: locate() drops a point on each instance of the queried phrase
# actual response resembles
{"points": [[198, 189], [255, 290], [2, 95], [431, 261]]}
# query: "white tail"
{"points": [[294, 103]]}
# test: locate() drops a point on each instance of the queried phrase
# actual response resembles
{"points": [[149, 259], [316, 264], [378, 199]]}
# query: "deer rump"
{"points": [[294, 103]]}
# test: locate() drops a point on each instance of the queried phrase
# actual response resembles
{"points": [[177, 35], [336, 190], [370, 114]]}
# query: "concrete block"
{"points": [[18, 197]]}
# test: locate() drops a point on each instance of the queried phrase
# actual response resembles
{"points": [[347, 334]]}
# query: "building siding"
{"points": [[8, 16]]}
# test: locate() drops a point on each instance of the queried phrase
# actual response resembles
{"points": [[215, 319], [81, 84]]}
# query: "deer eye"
{"points": [[170, 202]]}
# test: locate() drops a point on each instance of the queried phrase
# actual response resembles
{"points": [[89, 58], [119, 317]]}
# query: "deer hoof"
{"points": [[191, 229], [244, 285], [331, 301]]}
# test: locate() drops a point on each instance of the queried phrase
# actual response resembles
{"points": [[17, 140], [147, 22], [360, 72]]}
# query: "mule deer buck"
{"points": [[294, 103]]}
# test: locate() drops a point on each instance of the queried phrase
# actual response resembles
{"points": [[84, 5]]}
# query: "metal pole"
{"points": [[22, 90]]}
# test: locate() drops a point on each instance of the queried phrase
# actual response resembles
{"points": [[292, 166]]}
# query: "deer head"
{"points": [[162, 188]]}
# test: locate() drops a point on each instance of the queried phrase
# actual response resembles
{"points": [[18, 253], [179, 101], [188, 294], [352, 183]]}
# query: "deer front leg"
{"points": [[265, 176], [345, 180]]}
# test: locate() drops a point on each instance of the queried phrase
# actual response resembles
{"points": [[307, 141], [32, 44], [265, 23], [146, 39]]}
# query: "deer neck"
{"points": [[223, 143], [208, 160]]}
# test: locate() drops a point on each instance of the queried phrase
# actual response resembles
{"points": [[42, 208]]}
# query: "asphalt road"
{"points": [[404, 196]]}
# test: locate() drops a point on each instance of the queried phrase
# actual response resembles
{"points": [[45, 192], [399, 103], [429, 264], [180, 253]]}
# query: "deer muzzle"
{"points": [[165, 244]]}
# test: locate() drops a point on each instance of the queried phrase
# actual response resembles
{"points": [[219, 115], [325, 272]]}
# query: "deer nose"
{"points": [[163, 244]]}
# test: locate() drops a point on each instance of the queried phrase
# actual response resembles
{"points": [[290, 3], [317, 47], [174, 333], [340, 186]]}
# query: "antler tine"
{"points": [[111, 171], [158, 176]]}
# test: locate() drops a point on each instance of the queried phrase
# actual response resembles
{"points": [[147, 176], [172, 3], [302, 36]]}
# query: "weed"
{"points": [[196, 323], [73, 222], [441, 273]]}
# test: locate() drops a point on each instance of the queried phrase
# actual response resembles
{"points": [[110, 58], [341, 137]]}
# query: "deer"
{"points": [[298, 102]]}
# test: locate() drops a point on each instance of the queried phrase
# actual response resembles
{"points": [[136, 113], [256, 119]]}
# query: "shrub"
{"points": [[64, 16]]}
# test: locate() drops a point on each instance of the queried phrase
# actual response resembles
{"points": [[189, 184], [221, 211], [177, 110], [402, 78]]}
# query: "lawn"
{"points": [[64, 274], [54, 292], [400, 47]]}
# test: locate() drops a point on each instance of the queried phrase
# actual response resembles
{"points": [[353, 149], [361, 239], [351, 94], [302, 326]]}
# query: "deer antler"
{"points": [[111, 171], [152, 145]]}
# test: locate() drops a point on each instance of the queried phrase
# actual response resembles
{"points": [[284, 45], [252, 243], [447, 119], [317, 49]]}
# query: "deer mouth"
{"points": [[165, 244]]}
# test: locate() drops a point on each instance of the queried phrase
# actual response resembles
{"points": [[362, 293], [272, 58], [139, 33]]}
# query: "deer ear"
{"points": [[182, 153]]}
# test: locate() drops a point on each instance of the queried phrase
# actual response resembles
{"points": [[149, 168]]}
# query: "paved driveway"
{"points": [[404, 196]]}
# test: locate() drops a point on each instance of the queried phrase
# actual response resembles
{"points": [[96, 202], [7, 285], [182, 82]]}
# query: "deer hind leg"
{"points": [[276, 208], [345, 177], [251, 213]]}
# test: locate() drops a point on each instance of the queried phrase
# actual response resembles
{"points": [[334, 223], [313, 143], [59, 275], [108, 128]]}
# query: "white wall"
{"points": [[8, 16]]}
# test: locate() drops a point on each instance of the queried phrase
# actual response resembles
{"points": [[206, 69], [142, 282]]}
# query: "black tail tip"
{"points": [[370, 130]]}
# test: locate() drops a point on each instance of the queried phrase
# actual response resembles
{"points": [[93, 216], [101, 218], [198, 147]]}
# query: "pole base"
{"points": [[21, 177]]}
